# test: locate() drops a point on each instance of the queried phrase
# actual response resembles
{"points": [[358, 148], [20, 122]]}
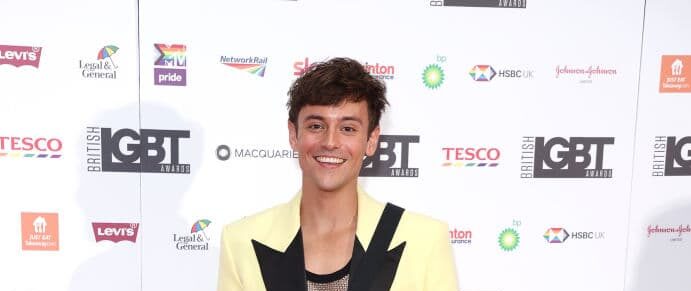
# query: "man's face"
{"points": [[332, 142]]}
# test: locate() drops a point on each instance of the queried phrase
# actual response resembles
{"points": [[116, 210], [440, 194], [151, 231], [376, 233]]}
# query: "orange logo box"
{"points": [[675, 74], [40, 231]]}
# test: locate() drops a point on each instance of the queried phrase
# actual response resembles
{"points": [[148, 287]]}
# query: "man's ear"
{"points": [[373, 142], [292, 135]]}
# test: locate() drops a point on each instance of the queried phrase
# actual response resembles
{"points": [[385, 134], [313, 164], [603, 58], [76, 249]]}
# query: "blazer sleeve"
{"points": [[441, 270], [228, 278]]}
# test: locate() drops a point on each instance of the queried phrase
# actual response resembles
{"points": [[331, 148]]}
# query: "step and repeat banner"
{"points": [[552, 136]]}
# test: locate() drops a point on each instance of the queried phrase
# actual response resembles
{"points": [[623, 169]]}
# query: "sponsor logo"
{"points": [[485, 73], [30, 147], [583, 74], [170, 69], [509, 238], [250, 64], [559, 235], [675, 74], [558, 157], [224, 152], [433, 74], [391, 157], [20, 55], [300, 67], [480, 3], [126, 150], [196, 240], [115, 232], [461, 237], [102, 67], [471, 157], [40, 231], [672, 156], [381, 72], [673, 232]]}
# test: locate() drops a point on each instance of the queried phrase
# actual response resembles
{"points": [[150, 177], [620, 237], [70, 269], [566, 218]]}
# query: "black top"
{"points": [[328, 278]]}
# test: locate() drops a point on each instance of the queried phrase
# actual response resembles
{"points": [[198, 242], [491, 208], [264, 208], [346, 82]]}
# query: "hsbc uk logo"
{"points": [[115, 232], [391, 158], [126, 150], [557, 235], [558, 157], [485, 73], [671, 156]]}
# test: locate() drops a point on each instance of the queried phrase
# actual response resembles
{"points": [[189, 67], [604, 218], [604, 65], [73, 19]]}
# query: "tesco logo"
{"points": [[471, 154], [42, 144]]}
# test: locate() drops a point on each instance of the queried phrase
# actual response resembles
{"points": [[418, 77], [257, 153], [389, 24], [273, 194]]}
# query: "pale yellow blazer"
{"points": [[426, 264]]}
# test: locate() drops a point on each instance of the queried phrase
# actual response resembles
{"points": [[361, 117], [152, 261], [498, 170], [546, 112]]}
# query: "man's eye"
{"points": [[349, 129], [315, 126]]}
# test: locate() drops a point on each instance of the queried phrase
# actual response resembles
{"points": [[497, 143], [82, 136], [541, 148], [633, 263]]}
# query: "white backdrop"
{"points": [[584, 71]]}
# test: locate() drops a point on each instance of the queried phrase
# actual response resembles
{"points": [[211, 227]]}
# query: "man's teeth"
{"points": [[330, 160]]}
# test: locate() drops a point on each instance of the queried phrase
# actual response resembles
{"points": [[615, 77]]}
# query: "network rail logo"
{"points": [[251, 64]]}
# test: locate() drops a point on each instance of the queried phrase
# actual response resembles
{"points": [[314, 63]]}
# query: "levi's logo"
{"points": [[20, 55], [115, 232]]}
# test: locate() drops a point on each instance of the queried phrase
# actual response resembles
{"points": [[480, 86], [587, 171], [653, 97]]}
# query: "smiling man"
{"points": [[332, 236]]}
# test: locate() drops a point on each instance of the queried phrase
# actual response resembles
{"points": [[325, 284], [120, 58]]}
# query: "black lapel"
{"points": [[282, 271], [375, 269]]}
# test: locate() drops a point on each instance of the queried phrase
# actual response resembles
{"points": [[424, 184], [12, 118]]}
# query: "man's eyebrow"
{"points": [[322, 118]]}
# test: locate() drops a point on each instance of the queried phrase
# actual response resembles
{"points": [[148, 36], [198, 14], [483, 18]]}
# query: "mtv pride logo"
{"points": [[20, 55], [170, 67], [115, 232]]}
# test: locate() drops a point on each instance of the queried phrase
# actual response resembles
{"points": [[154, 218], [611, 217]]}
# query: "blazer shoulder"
{"points": [[421, 227], [255, 226]]}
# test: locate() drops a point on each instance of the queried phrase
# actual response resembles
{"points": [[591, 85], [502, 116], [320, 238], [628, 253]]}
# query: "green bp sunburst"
{"points": [[433, 76], [509, 239]]}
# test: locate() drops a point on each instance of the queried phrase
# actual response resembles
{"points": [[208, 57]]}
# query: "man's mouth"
{"points": [[330, 160]]}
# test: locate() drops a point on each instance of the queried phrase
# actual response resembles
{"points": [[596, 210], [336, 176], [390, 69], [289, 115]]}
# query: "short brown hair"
{"points": [[334, 81]]}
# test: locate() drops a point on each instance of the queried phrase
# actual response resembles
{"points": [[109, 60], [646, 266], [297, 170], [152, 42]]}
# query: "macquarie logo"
{"points": [[480, 3], [559, 157], [583, 74], [675, 74], [391, 157], [485, 73], [671, 156], [126, 150], [102, 66], [224, 153], [170, 69], [30, 147], [40, 231], [251, 64], [476, 157], [20, 55], [115, 232], [460, 237]]}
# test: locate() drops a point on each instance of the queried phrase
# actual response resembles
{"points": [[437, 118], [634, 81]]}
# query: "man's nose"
{"points": [[331, 139]]}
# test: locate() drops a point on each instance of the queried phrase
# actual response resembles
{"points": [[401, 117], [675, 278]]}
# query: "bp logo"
{"points": [[509, 239], [433, 76]]}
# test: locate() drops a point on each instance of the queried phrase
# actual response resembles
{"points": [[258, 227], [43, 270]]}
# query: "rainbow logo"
{"points": [[171, 55], [253, 65], [482, 73]]}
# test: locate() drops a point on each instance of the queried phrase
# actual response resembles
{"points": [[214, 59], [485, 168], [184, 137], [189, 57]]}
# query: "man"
{"points": [[332, 236]]}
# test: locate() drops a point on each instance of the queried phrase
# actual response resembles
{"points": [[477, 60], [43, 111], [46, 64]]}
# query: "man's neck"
{"points": [[324, 212]]}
